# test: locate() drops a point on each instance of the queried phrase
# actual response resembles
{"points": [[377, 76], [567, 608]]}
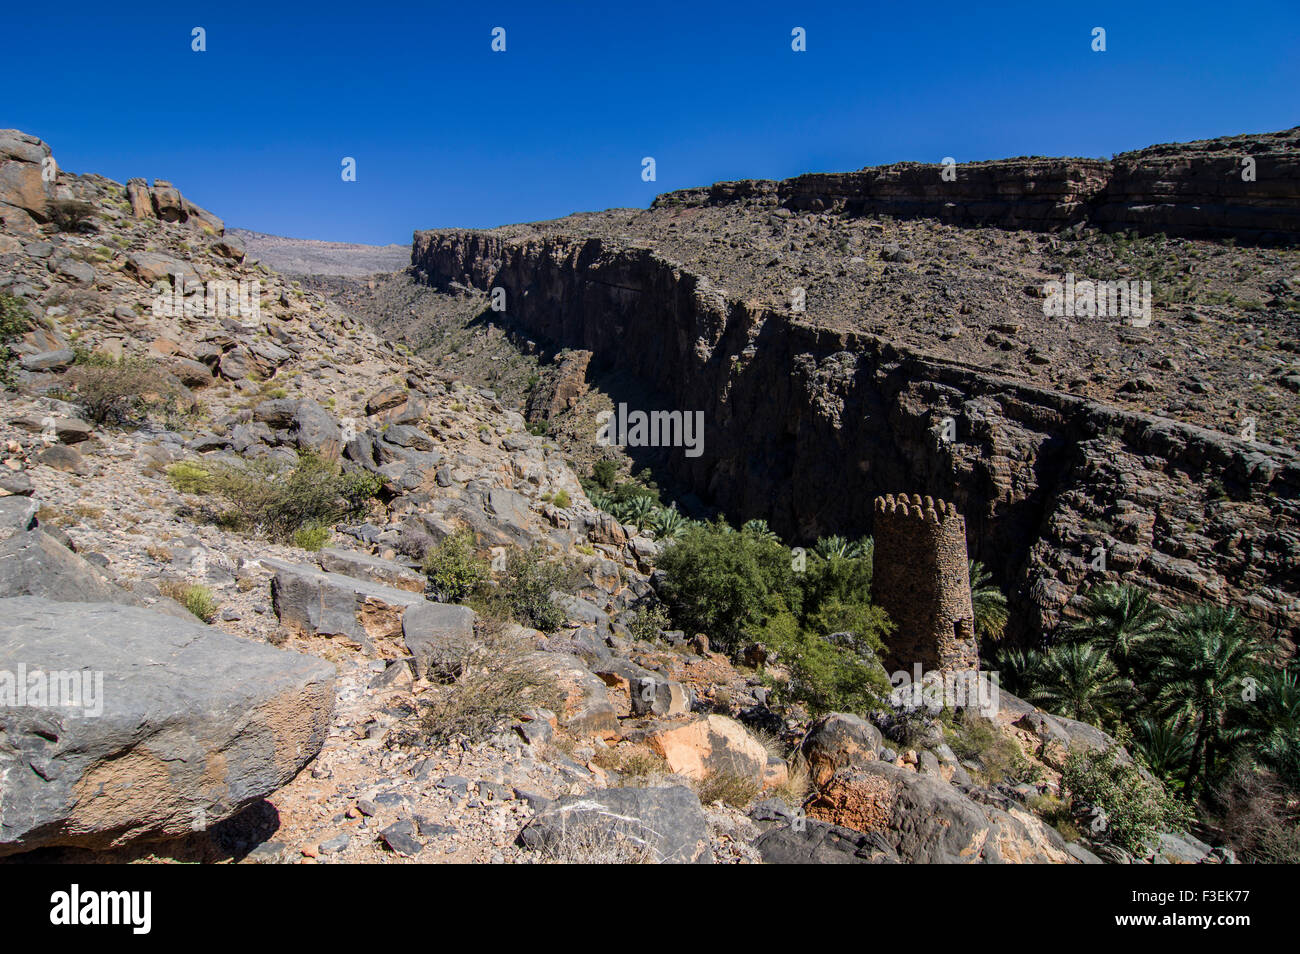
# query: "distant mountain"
{"points": [[311, 257]]}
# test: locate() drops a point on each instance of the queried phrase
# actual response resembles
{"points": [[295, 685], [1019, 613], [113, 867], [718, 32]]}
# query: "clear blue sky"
{"points": [[447, 133]]}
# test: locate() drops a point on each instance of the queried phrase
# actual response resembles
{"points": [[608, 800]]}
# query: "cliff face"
{"points": [[1191, 189], [806, 426]]}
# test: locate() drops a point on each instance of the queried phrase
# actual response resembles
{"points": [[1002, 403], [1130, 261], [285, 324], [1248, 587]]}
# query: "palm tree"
{"points": [[1121, 619], [989, 603], [1274, 719], [760, 529], [1020, 671], [667, 523], [1164, 746], [1080, 681], [1211, 654], [639, 511], [834, 546]]}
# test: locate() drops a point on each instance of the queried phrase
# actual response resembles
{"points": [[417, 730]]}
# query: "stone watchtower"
{"points": [[922, 581]]}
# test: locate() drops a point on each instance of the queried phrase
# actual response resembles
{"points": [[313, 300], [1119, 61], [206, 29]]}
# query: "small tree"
{"points": [[69, 215]]}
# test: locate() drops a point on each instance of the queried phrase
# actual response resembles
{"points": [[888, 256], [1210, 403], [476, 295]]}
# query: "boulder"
{"points": [[352, 563], [440, 636], [622, 825], [35, 564], [17, 515], [310, 601], [160, 726], [927, 821], [708, 745], [839, 740], [587, 709], [790, 838], [22, 182], [315, 430]]}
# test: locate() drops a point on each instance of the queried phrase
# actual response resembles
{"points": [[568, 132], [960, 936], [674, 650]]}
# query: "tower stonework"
{"points": [[922, 580]]}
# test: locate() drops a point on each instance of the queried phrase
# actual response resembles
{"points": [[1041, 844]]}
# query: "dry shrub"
{"points": [[115, 391], [591, 845], [636, 763], [1261, 817], [498, 682], [738, 791]]}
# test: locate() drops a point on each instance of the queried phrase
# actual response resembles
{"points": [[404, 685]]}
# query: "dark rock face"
{"points": [[806, 426], [1192, 189], [180, 726]]}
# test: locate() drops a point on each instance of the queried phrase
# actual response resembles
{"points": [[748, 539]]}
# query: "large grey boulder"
{"points": [[790, 838], [17, 515], [315, 430], [440, 636], [623, 825], [925, 820], [839, 740], [177, 725]]}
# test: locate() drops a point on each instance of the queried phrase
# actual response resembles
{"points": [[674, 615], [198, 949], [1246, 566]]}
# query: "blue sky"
{"points": [[447, 133]]}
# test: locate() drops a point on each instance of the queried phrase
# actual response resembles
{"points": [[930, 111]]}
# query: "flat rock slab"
{"points": [[177, 727], [312, 601], [623, 825], [373, 568]]}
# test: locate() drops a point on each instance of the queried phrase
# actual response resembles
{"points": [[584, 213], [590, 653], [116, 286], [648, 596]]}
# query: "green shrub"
{"points": [[976, 739], [453, 569], [526, 586], [824, 676], [648, 621], [561, 499], [312, 538], [721, 582], [189, 478], [14, 323], [1137, 806], [195, 598], [605, 472], [267, 497]]}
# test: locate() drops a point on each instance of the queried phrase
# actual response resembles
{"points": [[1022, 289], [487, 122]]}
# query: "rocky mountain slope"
{"points": [[313, 700], [859, 334], [291, 256]]}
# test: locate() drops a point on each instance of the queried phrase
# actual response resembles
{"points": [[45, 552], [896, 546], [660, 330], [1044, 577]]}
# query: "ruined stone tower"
{"points": [[923, 582]]}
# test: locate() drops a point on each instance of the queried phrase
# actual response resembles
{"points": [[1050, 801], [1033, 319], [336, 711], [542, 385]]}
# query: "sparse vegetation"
{"points": [[69, 215], [196, 598], [115, 391], [14, 322], [279, 501], [497, 682]]}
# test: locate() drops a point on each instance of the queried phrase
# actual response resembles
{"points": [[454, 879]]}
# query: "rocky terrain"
{"points": [[859, 334], [300, 711]]}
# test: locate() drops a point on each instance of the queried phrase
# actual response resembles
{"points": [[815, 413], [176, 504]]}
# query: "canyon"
{"points": [[1063, 482]]}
